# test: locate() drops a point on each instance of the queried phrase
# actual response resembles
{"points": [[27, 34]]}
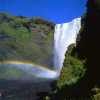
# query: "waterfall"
{"points": [[64, 35]]}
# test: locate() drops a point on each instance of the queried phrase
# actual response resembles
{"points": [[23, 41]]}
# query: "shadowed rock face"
{"points": [[88, 46]]}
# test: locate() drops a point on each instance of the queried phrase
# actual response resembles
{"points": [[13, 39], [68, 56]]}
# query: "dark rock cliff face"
{"points": [[88, 47]]}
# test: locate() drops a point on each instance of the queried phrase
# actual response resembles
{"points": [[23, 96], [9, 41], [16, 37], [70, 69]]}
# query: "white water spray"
{"points": [[64, 35]]}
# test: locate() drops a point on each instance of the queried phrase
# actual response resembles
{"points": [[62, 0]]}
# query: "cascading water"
{"points": [[64, 35]]}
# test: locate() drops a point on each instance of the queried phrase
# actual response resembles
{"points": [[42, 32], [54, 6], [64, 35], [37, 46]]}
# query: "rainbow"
{"points": [[32, 69]]}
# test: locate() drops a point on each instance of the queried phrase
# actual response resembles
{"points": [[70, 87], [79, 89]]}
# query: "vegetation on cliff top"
{"points": [[23, 38]]}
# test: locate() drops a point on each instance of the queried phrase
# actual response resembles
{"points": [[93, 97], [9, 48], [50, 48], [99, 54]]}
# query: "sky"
{"points": [[58, 11]]}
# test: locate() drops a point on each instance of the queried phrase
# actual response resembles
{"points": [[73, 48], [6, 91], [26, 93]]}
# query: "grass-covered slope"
{"points": [[26, 39], [73, 68]]}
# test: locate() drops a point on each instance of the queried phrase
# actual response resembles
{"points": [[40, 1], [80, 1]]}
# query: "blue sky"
{"points": [[58, 11]]}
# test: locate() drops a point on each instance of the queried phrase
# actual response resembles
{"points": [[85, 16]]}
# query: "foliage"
{"points": [[25, 39], [72, 70]]}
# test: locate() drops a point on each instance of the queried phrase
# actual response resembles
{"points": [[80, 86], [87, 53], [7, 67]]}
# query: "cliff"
{"points": [[88, 48], [26, 39]]}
